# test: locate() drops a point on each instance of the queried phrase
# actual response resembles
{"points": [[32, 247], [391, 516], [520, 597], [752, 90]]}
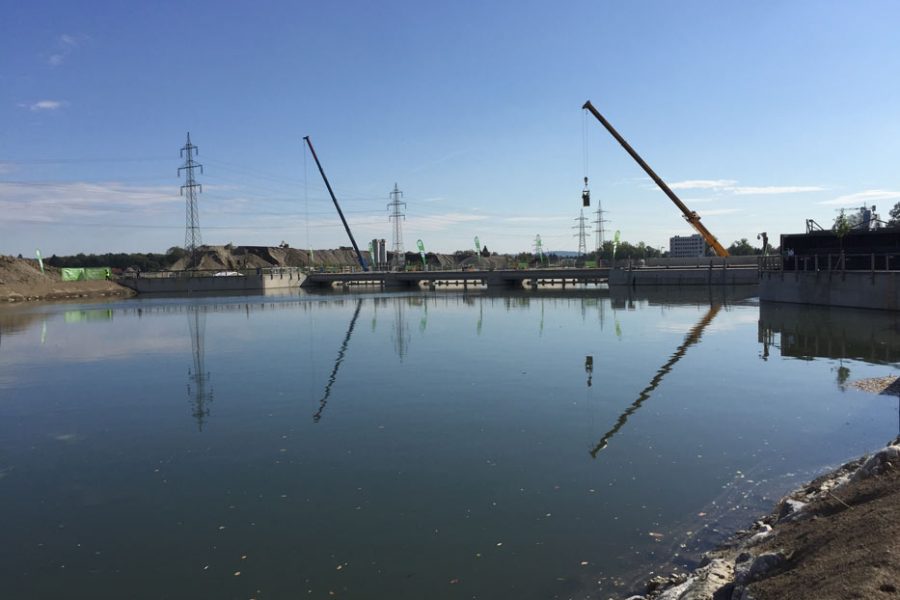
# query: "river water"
{"points": [[441, 445]]}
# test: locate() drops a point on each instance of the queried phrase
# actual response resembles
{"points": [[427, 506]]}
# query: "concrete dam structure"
{"points": [[188, 282]]}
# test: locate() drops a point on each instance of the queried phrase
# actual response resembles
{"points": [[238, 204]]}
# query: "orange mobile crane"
{"points": [[689, 215]]}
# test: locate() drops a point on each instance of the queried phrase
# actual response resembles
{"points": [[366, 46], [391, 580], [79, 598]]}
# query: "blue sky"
{"points": [[759, 114]]}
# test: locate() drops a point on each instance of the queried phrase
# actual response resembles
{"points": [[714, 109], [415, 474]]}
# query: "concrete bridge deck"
{"points": [[491, 279]]}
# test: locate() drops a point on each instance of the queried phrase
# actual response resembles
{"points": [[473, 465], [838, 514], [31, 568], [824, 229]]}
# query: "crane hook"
{"points": [[586, 194]]}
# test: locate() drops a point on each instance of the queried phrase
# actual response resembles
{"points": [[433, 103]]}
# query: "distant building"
{"points": [[687, 246]]}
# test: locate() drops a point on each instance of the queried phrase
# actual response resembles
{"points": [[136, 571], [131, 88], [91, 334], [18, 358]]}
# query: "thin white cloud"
{"points": [[730, 186], [535, 219], [66, 44], [865, 197], [442, 222], [703, 184], [7, 168], [44, 105], [774, 189], [52, 202]]}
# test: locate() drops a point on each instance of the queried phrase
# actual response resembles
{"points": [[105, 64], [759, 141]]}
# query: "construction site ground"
{"points": [[21, 280]]}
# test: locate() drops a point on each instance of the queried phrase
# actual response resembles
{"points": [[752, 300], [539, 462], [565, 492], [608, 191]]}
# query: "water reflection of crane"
{"points": [[201, 394], [337, 363], [690, 339]]}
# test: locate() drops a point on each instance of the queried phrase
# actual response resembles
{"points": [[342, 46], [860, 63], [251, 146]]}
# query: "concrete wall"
{"points": [[697, 261], [860, 289], [685, 276], [251, 283]]}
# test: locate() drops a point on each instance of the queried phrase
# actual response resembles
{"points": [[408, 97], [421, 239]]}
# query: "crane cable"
{"points": [[586, 192], [306, 202]]}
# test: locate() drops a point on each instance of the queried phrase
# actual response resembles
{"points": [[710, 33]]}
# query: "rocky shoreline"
{"points": [[836, 537]]}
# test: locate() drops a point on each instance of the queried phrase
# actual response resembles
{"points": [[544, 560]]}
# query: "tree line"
{"points": [[145, 261]]}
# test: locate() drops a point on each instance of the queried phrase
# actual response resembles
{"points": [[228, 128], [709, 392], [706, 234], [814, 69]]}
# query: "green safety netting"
{"points": [[85, 274]]}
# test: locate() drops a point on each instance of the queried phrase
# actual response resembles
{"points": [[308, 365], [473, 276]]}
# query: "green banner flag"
{"points": [[421, 246], [40, 260]]}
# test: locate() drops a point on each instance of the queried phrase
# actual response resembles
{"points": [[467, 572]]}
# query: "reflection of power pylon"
{"points": [[401, 332], [337, 363], [693, 336], [201, 394]]}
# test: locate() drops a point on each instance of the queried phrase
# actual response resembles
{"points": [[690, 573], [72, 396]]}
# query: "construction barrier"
{"points": [[85, 274]]}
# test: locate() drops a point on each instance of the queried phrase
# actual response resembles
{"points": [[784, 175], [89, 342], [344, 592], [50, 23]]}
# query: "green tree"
{"points": [[741, 248], [895, 216], [842, 226]]}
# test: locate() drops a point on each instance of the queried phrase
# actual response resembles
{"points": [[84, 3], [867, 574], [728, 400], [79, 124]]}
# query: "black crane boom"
{"points": [[359, 256]]}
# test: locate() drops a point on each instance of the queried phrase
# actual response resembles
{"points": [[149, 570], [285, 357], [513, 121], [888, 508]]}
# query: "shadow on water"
{"points": [[671, 295], [692, 337], [199, 387], [337, 362], [807, 332]]}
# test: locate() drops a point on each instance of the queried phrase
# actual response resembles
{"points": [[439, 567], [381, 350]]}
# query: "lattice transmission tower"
{"points": [[582, 233], [397, 217], [189, 190], [599, 228]]}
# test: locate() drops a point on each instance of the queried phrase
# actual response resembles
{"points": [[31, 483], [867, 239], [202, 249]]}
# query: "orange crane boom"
{"points": [[690, 216]]}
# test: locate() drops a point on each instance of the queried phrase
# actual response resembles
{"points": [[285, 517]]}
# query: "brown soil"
{"points": [[253, 257], [837, 537], [849, 549], [21, 279]]}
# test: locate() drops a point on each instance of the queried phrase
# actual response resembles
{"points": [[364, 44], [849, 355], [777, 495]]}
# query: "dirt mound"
{"points": [[21, 271], [21, 279], [233, 258]]}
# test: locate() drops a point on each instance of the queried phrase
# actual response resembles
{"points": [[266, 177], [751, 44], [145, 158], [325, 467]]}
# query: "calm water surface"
{"points": [[409, 446]]}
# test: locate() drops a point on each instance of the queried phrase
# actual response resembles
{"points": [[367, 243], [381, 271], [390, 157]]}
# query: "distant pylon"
{"points": [[582, 234], [599, 229], [192, 239], [399, 259]]}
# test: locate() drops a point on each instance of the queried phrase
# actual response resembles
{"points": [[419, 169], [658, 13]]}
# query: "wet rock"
{"points": [[791, 510], [742, 594], [878, 463], [764, 532], [758, 568], [674, 593], [657, 582], [703, 583]]}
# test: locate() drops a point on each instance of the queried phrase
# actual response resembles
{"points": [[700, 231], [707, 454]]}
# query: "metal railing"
{"points": [[831, 262]]}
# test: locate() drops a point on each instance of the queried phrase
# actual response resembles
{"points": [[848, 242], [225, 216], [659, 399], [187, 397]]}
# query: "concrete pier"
{"points": [[492, 279], [860, 289], [186, 282]]}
